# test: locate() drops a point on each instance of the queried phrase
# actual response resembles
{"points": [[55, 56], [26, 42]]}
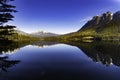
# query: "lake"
{"points": [[60, 61]]}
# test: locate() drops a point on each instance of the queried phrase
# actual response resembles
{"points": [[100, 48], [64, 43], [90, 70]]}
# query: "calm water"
{"points": [[58, 61]]}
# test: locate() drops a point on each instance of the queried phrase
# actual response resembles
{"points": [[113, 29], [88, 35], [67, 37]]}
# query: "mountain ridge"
{"points": [[99, 20], [43, 34], [103, 27], [36, 34]]}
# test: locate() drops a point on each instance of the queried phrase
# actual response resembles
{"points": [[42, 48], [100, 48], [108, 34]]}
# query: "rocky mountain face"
{"points": [[103, 19], [103, 27], [116, 17], [107, 24]]}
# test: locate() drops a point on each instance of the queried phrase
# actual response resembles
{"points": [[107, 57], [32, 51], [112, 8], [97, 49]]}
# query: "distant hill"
{"points": [[43, 34], [37, 34], [21, 32], [103, 27]]}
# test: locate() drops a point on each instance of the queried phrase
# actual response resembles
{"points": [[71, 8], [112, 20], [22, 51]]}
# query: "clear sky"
{"points": [[59, 16]]}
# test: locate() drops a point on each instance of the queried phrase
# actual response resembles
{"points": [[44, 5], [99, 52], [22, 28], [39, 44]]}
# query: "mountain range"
{"points": [[103, 27], [37, 34], [43, 34]]}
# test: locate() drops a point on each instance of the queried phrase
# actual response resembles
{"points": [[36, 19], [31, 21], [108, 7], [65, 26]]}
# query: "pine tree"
{"points": [[6, 11]]}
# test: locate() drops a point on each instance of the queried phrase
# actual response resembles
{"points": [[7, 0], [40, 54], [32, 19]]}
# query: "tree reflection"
{"points": [[11, 47], [5, 64]]}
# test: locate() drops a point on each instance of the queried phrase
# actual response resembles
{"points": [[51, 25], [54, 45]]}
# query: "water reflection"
{"points": [[61, 62], [5, 64], [43, 44], [8, 48], [12, 47], [107, 53]]}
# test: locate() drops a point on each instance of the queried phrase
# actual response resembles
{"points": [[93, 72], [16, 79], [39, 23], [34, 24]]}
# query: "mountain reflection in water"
{"points": [[59, 61], [13, 47], [106, 53]]}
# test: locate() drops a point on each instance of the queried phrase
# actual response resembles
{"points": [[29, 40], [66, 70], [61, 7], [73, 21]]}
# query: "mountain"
{"points": [[43, 34], [21, 32], [36, 34], [103, 27], [98, 21]]}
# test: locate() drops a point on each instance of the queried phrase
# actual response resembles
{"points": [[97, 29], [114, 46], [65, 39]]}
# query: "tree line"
{"points": [[6, 10]]}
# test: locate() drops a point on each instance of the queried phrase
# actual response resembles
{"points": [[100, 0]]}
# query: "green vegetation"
{"points": [[6, 10], [7, 32], [27, 38], [103, 27]]}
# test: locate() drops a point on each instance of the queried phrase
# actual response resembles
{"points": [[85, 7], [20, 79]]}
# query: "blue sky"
{"points": [[59, 16]]}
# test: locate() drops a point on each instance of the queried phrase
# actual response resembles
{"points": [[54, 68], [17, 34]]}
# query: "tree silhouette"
{"points": [[6, 11], [5, 64]]}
